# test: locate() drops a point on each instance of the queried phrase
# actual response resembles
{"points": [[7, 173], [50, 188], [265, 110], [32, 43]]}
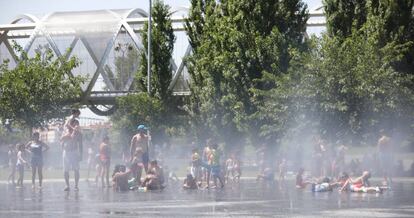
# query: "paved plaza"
{"points": [[245, 200]]}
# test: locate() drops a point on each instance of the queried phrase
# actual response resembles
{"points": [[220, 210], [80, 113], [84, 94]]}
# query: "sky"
{"points": [[9, 9]]}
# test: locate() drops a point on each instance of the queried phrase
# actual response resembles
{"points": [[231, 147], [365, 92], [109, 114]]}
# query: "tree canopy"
{"points": [[38, 88]]}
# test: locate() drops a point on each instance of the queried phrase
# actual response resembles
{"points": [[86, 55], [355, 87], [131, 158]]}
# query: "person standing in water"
{"points": [[20, 162], [12, 154], [105, 158], [75, 114], [36, 148], [140, 140], [384, 147], [72, 153]]}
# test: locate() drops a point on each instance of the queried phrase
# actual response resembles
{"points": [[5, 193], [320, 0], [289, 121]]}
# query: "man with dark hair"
{"points": [[74, 115]]}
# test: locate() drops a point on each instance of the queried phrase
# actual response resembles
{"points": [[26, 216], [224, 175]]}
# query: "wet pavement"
{"points": [[245, 200]]}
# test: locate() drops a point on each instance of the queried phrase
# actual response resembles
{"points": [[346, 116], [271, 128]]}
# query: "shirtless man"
{"points": [[140, 140], [72, 152]]}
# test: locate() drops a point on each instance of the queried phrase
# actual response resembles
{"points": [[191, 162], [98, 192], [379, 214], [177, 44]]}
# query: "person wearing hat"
{"points": [[140, 140]]}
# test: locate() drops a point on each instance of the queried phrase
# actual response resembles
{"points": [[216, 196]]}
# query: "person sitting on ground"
{"points": [[323, 185], [155, 177], [266, 175], [120, 178], [190, 182], [361, 184], [300, 184]]}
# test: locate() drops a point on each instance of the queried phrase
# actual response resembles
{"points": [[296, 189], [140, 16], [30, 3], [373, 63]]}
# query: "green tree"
{"points": [[162, 41], [344, 15], [125, 65], [237, 42], [158, 109], [38, 88], [355, 91], [139, 109]]}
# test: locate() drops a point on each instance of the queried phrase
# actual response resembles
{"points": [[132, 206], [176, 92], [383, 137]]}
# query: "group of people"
{"points": [[206, 165], [18, 160], [344, 182], [72, 154]]}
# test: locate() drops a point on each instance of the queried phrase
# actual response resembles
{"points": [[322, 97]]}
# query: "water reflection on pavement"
{"points": [[245, 200]]}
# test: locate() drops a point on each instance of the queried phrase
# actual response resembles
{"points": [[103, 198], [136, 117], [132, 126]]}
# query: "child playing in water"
{"points": [[120, 178], [137, 165], [361, 184], [12, 154], [196, 165], [300, 184], [236, 169], [155, 177], [266, 175], [229, 168], [20, 164], [105, 158], [214, 164], [323, 185], [190, 182]]}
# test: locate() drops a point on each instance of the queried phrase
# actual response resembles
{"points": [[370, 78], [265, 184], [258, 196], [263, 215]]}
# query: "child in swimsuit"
{"points": [[20, 164], [300, 184], [120, 178], [361, 184], [190, 182]]}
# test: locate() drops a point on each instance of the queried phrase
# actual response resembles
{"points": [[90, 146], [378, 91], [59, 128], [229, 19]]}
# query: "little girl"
{"points": [[20, 164]]}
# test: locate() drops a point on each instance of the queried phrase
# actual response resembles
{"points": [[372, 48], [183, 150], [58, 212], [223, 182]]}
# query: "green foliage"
{"points": [[235, 43], [159, 110], [162, 45], [344, 15], [38, 88], [140, 109], [7, 138], [125, 65]]}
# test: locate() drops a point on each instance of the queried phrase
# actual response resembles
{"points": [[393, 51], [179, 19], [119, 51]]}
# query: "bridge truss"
{"points": [[108, 44]]}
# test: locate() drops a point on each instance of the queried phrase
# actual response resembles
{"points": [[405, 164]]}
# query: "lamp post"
{"points": [[149, 49]]}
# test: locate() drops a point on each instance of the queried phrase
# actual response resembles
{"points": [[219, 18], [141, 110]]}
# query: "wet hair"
{"points": [[326, 180], [20, 147], [36, 135], [344, 175], [75, 111], [366, 174], [118, 169], [154, 162]]}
